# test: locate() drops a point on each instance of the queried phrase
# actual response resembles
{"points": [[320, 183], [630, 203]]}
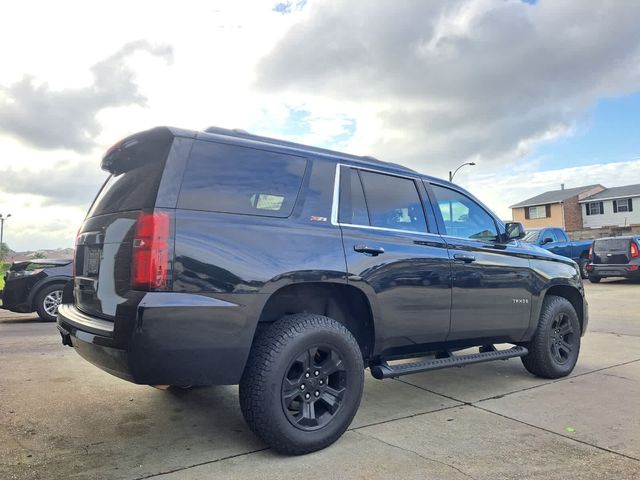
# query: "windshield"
{"points": [[531, 236]]}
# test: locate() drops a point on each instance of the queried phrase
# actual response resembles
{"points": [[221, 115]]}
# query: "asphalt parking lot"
{"points": [[60, 417]]}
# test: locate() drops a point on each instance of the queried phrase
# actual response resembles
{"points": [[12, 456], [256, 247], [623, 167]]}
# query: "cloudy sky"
{"points": [[536, 93]]}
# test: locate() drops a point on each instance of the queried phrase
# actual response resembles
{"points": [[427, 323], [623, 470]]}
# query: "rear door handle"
{"points": [[463, 257], [374, 251]]}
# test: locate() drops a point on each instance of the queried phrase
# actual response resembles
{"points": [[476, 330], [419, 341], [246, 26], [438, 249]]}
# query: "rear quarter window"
{"points": [[232, 179]]}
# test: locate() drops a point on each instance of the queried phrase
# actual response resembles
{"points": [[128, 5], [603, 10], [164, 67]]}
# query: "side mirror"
{"points": [[514, 231], [546, 240]]}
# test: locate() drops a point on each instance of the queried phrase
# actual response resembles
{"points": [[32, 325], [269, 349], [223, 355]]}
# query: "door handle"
{"points": [[373, 251], [463, 257]]}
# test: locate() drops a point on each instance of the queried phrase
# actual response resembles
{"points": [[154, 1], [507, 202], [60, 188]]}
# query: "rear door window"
{"points": [[232, 179], [353, 207], [393, 202]]}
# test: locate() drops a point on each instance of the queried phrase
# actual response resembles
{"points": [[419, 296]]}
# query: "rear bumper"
{"points": [[602, 271], [174, 339]]}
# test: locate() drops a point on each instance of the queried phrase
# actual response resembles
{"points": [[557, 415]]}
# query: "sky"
{"points": [[536, 93]]}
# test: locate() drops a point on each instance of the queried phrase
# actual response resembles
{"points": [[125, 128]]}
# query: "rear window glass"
{"points": [[612, 244], [232, 179], [135, 178]]}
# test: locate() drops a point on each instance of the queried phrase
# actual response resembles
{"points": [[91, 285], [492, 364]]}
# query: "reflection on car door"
{"points": [[491, 296], [391, 253]]}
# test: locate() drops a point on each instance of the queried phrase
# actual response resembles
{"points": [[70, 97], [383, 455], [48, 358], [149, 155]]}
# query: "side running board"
{"points": [[487, 354]]}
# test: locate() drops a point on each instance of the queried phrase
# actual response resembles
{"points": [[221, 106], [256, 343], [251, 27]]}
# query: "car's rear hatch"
{"points": [[103, 259], [612, 251]]}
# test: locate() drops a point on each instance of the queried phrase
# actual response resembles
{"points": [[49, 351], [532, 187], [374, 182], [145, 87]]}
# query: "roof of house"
{"points": [[625, 191], [553, 196]]}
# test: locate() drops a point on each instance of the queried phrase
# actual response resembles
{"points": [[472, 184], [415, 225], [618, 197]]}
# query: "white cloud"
{"points": [[448, 81], [499, 191], [423, 83]]}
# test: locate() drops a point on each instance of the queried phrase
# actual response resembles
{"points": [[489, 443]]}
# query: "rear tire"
{"points": [[593, 279], [554, 348], [302, 384], [47, 301]]}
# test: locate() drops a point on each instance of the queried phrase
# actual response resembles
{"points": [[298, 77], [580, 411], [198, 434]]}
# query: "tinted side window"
{"points": [[463, 217], [393, 202], [231, 179], [353, 208]]}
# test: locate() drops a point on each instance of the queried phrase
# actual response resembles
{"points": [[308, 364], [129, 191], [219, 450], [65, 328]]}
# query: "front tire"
{"points": [[554, 348], [47, 301], [302, 384]]}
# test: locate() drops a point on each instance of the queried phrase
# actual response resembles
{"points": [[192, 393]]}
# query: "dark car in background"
{"points": [[556, 240], [614, 257], [36, 286]]}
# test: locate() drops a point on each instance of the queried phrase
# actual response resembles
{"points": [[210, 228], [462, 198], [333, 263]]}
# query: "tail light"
{"points": [[634, 250], [150, 259], [591, 252]]}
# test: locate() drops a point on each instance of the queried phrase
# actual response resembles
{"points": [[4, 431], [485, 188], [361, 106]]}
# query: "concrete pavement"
{"points": [[60, 417]]}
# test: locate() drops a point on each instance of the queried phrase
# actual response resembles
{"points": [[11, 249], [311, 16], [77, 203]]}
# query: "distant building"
{"points": [[612, 207], [555, 208]]}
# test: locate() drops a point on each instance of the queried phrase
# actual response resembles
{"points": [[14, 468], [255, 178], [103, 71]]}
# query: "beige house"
{"points": [[556, 208]]}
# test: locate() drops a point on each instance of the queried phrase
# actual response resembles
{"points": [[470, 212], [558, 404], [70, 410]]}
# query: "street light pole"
{"points": [[451, 175], [2, 219]]}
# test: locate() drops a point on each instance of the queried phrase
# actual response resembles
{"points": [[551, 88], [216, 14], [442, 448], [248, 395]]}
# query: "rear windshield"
{"points": [[135, 176], [249, 181], [612, 244]]}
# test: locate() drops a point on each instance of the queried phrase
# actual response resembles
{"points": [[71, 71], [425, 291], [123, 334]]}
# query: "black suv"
{"points": [[221, 257]]}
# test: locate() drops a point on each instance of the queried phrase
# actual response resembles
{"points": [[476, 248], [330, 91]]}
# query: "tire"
{"points": [[298, 356], [593, 279], [555, 346], [582, 263], [45, 300]]}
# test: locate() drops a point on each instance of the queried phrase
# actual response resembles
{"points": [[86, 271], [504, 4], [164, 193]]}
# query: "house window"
{"points": [[537, 212], [595, 208], [622, 205]]}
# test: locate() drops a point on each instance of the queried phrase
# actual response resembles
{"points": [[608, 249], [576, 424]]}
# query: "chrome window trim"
{"points": [[336, 203]]}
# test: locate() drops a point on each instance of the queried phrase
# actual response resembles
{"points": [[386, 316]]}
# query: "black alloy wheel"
{"points": [[314, 387], [303, 383], [555, 345], [561, 342]]}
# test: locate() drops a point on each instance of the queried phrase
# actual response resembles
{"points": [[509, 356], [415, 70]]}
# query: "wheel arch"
{"points": [[344, 303], [45, 282], [573, 295]]}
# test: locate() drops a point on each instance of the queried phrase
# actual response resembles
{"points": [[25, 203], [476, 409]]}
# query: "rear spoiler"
{"points": [[40, 262]]}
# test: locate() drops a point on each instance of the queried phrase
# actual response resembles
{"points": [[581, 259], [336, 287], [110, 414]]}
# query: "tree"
{"points": [[38, 255], [4, 251]]}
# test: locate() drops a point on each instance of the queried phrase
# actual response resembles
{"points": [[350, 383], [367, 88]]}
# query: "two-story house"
{"points": [[612, 207], [555, 208]]}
